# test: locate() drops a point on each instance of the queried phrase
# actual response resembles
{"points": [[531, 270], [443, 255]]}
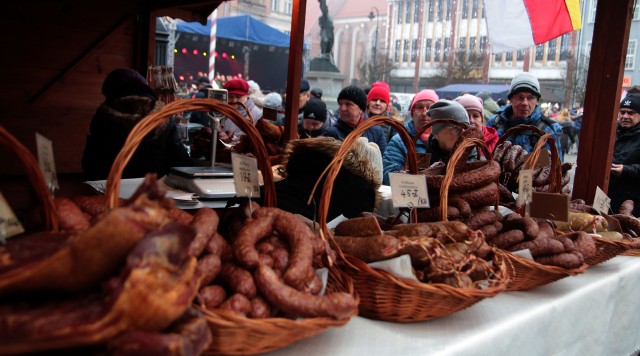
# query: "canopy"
{"points": [[240, 28], [496, 91]]}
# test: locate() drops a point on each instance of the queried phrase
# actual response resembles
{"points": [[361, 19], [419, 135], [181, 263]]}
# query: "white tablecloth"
{"points": [[594, 313]]}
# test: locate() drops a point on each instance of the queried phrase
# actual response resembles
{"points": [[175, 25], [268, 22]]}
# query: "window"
{"points": [[407, 11], [592, 11], [540, 52], [636, 12], [483, 43], [399, 13], [396, 55], [427, 49], [520, 55], [440, 5], [465, 9], [474, 9], [430, 13], [288, 7], [274, 5], [449, 7], [553, 48], [565, 47], [446, 50], [416, 10], [437, 49], [630, 62], [405, 50], [472, 43], [414, 50], [462, 44]]}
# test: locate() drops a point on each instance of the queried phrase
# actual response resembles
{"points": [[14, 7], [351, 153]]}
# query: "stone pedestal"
{"points": [[324, 75]]}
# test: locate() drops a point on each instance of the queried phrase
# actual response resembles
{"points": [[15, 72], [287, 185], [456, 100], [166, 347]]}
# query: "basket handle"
{"points": [[517, 129], [35, 175], [555, 179], [334, 166], [466, 143], [153, 120]]}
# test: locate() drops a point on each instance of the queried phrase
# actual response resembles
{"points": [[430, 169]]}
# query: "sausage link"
{"points": [[205, 223]]}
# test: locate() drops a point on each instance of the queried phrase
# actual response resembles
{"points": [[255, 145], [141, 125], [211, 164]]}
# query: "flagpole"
{"points": [[212, 44]]}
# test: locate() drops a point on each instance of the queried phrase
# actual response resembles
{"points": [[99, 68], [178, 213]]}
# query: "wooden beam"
{"points": [[294, 70], [604, 83]]}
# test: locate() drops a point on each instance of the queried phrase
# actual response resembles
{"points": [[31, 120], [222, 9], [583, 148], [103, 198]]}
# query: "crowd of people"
{"points": [[128, 98]]}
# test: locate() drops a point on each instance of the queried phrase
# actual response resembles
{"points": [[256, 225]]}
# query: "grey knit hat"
{"points": [[447, 109], [524, 81], [354, 94]]}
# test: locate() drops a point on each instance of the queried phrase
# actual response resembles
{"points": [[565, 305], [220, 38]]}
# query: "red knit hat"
{"points": [[379, 92], [237, 87]]}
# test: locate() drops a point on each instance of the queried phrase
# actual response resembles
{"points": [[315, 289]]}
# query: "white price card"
{"points": [[525, 186], [9, 223], [601, 202], [245, 175], [46, 161], [409, 190]]}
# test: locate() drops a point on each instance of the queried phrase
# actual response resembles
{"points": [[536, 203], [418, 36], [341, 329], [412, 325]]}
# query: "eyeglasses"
{"points": [[420, 108]]}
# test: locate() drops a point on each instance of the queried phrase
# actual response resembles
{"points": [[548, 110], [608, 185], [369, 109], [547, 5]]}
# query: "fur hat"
{"points": [[237, 87], [379, 91], [126, 82], [447, 109], [470, 102], [355, 95], [632, 102], [315, 109], [425, 94], [524, 81]]}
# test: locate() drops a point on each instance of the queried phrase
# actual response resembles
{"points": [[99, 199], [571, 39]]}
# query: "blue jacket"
{"points": [[502, 121], [374, 134], [394, 156]]}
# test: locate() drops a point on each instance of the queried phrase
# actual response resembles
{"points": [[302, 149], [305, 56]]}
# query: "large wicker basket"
{"points": [[523, 273], [382, 295], [35, 176], [233, 334]]}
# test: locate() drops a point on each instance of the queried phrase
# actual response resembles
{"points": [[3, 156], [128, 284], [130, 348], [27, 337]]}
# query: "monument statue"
{"points": [[326, 30]]}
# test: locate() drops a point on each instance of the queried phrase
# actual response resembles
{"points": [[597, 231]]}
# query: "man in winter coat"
{"points": [[352, 103], [238, 96], [625, 165], [524, 94]]}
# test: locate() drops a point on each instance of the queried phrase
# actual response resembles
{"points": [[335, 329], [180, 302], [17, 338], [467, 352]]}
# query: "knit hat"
{"points": [[273, 100], [315, 109], [381, 84], [524, 81], [304, 85], [237, 86], [447, 109], [426, 94], [470, 102], [317, 92], [379, 91], [632, 102], [483, 94], [126, 82], [355, 95]]}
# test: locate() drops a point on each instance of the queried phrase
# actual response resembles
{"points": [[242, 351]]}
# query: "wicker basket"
{"points": [[153, 120], [35, 176], [523, 273], [382, 295], [605, 250], [232, 334]]}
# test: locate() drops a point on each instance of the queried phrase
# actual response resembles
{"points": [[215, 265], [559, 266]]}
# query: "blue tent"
{"points": [[240, 28], [497, 91]]}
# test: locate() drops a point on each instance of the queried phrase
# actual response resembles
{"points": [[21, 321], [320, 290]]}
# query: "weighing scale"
{"points": [[215, 182]]}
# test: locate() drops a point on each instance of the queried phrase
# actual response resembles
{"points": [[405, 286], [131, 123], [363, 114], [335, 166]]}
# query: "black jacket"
{"points": [[110, 126], [626, 151], [374, 134]]}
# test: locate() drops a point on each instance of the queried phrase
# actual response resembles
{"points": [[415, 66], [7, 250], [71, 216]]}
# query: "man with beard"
{"points": [[625, 165], [314, 119], [524, 110]]}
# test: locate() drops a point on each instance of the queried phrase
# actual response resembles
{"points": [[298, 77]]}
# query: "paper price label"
{"points": [[525, 186], [46, 161], [245, 176], [9, 223], [408, 190], [601, 202]]}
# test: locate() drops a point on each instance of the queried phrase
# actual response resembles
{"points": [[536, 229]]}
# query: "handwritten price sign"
{"points": [[409, 190], [525, 186], [245, 176], [601, 202], [46, 161]]}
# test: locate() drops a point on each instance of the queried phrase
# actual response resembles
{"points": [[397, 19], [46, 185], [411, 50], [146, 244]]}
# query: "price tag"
{"points": [[601, 202], [408, 190], [245, 175], [9, 223], [525, 186], [46, 161]]}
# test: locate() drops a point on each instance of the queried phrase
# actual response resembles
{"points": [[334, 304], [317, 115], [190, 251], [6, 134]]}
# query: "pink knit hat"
{"points": [[470, 102], [426, 94]]}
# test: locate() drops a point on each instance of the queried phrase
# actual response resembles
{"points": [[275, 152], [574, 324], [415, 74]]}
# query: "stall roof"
{"points": [[240, 28], [453, 90]]}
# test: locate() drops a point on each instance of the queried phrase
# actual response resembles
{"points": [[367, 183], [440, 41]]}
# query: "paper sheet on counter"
{"points": [[183, 200]]}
